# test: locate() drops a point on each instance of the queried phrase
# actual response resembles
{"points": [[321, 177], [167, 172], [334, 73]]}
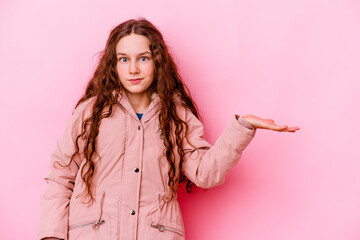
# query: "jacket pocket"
{"points": [[163, 228], [95, 224], [91, 222], [90, 227], [164, 221]]}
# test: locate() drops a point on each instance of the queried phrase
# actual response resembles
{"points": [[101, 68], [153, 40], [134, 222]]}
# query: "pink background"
{"points": [[297, 62]]}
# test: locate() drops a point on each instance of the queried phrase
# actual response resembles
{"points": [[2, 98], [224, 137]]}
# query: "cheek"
{"points": [[120, 70], [149, 69]]}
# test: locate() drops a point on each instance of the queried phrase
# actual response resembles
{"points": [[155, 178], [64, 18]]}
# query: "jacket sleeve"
{"points": [[53, 218], [206, 165]]}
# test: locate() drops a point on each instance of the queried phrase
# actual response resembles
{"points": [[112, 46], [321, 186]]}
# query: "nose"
{"points": [[134, 68]]}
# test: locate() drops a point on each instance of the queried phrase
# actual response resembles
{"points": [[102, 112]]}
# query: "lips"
{"points": [[135, 80]]}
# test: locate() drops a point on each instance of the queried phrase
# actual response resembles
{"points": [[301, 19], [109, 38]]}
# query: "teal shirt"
{"points": [[139, 115]]}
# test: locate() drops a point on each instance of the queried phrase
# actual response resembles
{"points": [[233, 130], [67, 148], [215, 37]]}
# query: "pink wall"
{"points": [[297, 62]]}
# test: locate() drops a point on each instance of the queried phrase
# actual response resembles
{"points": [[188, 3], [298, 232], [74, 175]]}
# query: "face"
{"points": [[134, 64]]}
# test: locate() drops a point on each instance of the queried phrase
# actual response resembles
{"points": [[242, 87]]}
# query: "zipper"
{"points": [[163, 228], [95, 224]]}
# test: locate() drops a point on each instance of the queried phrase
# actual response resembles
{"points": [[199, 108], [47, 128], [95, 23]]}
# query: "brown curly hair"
{"points": [[167, 83]]}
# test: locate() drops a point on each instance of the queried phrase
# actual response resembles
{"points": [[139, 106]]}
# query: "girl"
{"points": [[132, 139]]}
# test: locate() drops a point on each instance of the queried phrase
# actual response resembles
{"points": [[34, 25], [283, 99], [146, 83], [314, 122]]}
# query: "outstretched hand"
{"points": [[269, 124]]}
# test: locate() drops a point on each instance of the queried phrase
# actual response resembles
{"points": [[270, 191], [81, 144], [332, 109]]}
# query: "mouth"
{"points": [[135, 80]]}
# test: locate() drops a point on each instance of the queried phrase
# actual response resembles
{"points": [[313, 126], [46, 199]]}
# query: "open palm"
{"points": [[269, 124]]}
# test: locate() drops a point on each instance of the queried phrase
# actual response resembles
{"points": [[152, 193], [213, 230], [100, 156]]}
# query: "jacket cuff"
{"points": [[52, 234], [243, 122]]}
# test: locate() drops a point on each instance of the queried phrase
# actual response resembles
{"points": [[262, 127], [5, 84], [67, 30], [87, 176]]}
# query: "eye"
{"points": [[123, 59], [142, 59]]}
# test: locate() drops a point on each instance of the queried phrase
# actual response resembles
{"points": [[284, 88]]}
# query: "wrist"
{"points": [[246, 116], [243, 121]]}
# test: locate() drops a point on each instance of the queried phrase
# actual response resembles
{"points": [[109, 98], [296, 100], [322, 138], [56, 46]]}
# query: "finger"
{"points": [[290, 129], [279, 127], [293, 129]]}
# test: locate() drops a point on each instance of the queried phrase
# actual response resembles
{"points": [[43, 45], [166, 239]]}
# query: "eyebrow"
{"points": [[120, 53]]}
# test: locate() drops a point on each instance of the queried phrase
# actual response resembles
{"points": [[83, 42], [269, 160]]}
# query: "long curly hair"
{"points": [[167, 82]]}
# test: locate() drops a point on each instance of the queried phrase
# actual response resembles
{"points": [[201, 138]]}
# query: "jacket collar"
{"points": [[152, 109]]}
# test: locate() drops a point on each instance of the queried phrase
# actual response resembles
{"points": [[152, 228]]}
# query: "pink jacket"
{"points": [[131, 178]]}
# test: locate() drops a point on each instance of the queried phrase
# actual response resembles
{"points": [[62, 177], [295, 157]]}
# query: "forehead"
{"points": [[133, 43]]}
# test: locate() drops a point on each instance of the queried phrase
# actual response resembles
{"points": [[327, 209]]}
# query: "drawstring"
{"points": [[99, 221], [125, 128], [160, 227], [158, 208]]}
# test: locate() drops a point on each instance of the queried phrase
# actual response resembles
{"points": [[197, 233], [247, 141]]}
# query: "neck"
{"points": [[139, 102]]}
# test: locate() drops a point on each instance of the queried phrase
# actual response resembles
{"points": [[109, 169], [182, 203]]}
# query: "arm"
{"points": [[53, 220], [207, 165]]}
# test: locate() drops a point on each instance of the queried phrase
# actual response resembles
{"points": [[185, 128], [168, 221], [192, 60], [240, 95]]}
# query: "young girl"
{"points": [[132, 139]]}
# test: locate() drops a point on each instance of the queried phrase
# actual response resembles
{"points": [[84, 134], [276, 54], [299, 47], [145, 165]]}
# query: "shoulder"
{"points": [[183, 111], [83, 109], [74, 125], [181, 108]]}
